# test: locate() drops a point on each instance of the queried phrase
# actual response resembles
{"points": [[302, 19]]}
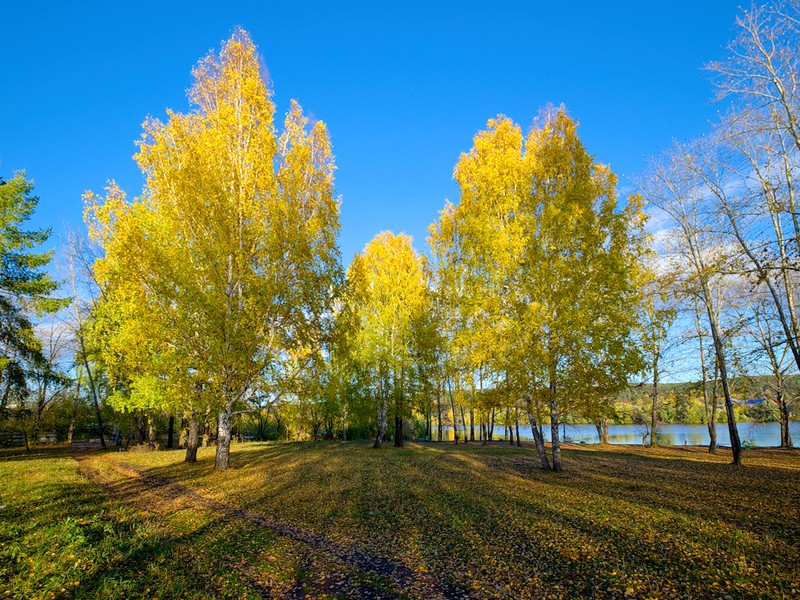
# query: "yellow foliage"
{"points": [[228, 259]]}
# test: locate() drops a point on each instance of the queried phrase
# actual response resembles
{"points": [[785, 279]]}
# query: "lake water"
{"points": [[754, 434]]}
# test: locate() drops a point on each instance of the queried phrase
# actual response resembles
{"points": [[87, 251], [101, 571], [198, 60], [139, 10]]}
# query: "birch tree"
{"points": [[555, 262], [683, 187], [758, 146], [766, 333], [232, 244], [710, 400], [657, 318], [389, 296]]}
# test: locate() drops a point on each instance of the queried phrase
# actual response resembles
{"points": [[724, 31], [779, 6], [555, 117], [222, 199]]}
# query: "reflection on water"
{"points": [[754, 434]]}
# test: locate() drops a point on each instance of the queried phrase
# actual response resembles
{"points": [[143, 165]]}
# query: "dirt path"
{"points": [[160, 495]]}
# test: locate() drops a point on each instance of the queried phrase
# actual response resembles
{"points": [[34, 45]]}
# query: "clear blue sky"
{"points": [[403, 86]]}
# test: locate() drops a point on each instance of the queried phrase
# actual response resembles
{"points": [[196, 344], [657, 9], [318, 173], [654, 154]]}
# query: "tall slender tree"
{"points": [[682, 185], [552, 263], [232, 245], [390, 301], [756, 147]]}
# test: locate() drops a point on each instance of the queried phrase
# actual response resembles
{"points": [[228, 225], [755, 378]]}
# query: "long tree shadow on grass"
{"points": [[42, 452], [368, 498], [598, 540], [355, 573], [486, 519], [764, 500], [726, 526]]}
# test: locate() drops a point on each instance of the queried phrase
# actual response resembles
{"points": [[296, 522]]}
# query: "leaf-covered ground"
{"points": [[426, 521]]}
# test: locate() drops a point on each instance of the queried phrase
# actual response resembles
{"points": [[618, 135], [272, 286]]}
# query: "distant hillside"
{"points": [[683, 402]]}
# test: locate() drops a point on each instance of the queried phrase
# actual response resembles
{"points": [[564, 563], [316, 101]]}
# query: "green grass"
{"points": [[343, 520], [62, 536]]}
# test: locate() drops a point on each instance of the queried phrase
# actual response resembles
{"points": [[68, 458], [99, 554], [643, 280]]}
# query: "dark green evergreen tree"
{"points": [[25, 287]]}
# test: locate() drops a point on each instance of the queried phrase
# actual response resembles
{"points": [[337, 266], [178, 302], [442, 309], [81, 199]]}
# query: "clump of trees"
{"points": [[729, 205], [217, 305], [388, 306], [221, 284], [541, 271], [219, 278]]}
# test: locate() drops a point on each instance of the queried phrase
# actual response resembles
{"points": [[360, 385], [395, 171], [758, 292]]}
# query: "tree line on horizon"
{"points": [[218, 296]]}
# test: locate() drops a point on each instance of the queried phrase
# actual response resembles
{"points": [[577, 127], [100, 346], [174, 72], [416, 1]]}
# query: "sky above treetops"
{"points": [[402, 86]]}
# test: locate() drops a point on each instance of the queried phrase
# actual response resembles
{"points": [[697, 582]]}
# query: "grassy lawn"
{"points": [[433, 520]]}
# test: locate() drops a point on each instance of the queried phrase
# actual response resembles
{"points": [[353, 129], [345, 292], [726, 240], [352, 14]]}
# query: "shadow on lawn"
{"points": [[43, 452], [131, 571], [755, 498], [372, 573], [486, 516], [443, 499]]}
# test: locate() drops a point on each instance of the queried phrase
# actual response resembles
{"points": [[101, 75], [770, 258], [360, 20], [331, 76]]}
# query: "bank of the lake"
{"points": [[760, 435]]}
